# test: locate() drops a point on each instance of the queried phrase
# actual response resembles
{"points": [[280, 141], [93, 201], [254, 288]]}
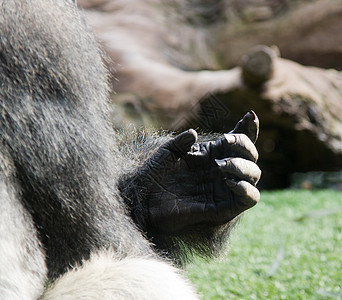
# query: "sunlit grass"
{"points": [[289, 246]]}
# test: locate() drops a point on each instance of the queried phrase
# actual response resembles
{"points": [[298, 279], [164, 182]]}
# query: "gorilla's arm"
{"points": [[188, 194]]}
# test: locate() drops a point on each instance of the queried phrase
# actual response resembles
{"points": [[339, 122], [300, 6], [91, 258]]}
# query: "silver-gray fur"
{"points": [[60, 164], [106, 276]]}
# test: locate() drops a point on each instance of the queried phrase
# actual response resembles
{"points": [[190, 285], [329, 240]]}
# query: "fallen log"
{"points": [[300, 111]]}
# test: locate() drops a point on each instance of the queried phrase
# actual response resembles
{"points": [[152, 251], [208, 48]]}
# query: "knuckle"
{"points": [[246, 190], [230, 138], [259, 172], [242, 138]]}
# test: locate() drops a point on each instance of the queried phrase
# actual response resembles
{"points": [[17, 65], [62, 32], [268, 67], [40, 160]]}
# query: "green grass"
{"points": [[289, 246]]}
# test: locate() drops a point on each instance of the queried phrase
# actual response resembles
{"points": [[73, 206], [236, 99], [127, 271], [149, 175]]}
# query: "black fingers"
{"points": [[240, 169], [239, 145], [248, 125], [240, 141], [182, 143], [247, 193]]}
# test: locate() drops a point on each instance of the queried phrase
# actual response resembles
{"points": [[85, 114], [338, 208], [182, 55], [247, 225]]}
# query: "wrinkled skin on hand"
{"points": [[187, 183]]}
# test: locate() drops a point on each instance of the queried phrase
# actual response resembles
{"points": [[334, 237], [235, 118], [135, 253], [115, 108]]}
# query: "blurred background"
{"points": [[203, 64], [177, 64]]}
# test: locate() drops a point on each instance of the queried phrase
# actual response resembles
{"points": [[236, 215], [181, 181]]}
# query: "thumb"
{"points": [[182, 143]]}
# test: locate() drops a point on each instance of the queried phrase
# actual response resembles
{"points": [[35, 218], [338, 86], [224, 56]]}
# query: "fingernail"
{"points": [[253, 114], [220, 162], [230, 138], [193, 132]]}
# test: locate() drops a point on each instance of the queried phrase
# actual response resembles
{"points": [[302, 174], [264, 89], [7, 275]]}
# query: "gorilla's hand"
{"points": [[185, 183]]}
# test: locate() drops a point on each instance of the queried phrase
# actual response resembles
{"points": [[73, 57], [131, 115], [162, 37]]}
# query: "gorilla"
{"points": [[92, 213]]}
